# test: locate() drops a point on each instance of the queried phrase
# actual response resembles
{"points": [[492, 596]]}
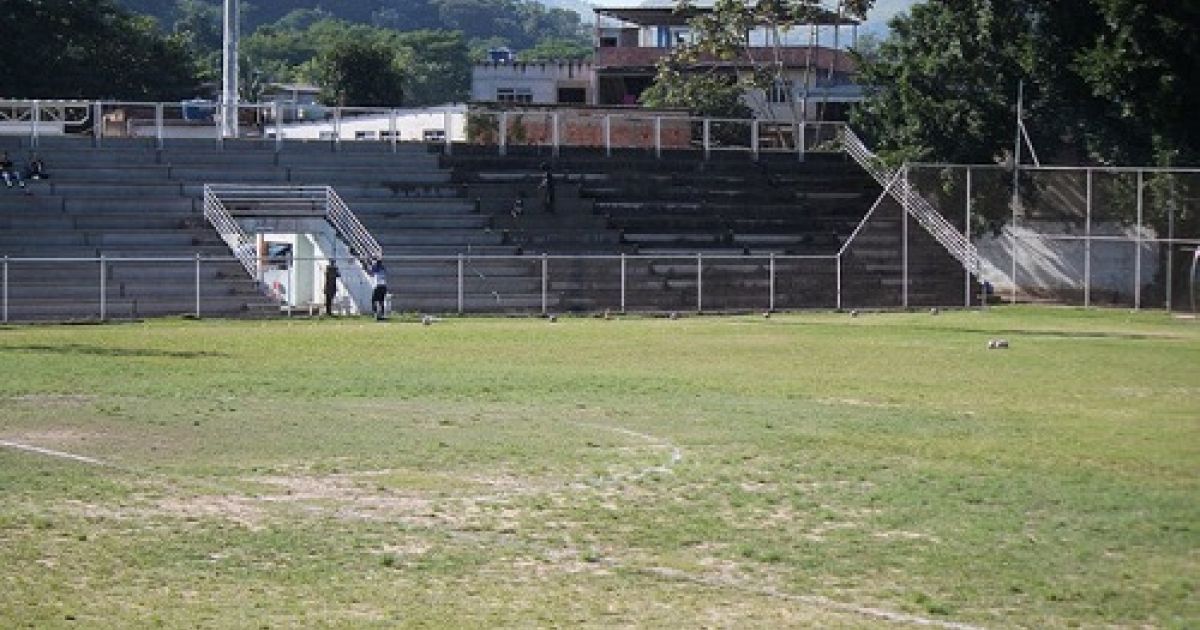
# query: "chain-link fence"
{"points": [[116, 288], [1083, 236]]}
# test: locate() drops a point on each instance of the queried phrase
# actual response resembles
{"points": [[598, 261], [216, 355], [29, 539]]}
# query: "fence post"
{"points": [[158, 124], [35, 117], [839, 281], [622, 283], [103, 289], [771, 305], [1170, 251], [707, 143], [557, 141], [97, 123], [218, 121], [699, 282], [392, 128], [337, 128], [503, 133], [197, 285], [1087, 242], [904, 241], [608, 135], [1137, 259], [801, 140], [461, 300], [658, 137], [967, 235], [278, 107], [6, 289], [545, 281], [754, 138]]}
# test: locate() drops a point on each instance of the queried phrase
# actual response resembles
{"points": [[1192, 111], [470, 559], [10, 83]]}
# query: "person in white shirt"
{"points": [[379, 275]]}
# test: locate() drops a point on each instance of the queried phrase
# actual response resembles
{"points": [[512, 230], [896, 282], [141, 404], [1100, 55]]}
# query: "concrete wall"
{"points": [[583, 127], [542, 79], [1051, 267]]}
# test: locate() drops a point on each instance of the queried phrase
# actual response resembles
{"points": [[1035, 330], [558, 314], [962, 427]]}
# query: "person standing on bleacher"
{"points": [[9, 172], [36, 168]]}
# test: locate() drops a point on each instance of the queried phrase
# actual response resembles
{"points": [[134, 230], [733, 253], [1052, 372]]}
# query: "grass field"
{"points": [[803, 470]]}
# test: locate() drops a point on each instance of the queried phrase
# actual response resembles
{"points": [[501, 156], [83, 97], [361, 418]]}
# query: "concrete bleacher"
{"points": [[439, 218], [128, 198]]}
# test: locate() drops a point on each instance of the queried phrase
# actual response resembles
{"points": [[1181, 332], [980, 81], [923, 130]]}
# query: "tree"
{"points": [[201, 26], [438, 68], [941, 86], [1106, 79], [723, 33], [70, 49], [556, 49], [361, 73]]}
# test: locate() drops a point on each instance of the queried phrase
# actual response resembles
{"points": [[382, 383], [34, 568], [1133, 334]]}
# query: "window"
{"points": [[514, 95], [572, 95], [326, 135], [364, 135], [780, 92], [433, 135]]}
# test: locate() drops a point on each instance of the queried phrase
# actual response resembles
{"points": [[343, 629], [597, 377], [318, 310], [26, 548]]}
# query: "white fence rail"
{"points": [[489, 284], [504, 131]]}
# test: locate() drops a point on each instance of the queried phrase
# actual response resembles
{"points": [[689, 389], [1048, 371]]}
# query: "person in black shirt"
{"points": [[331, 279], [547, 187]]}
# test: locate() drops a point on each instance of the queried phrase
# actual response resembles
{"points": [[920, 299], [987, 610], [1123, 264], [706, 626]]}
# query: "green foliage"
{"points": [[67, 49], [710, 94], [358, 72], [557, 49], [522, 23], [1105, 80], [684, 79], [437, 67]]}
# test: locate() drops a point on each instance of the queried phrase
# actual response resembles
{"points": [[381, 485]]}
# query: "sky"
{"points": [[883, 11]]}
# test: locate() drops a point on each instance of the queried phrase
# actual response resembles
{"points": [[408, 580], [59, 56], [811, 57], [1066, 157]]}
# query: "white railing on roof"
{"points": [[913, 203]]}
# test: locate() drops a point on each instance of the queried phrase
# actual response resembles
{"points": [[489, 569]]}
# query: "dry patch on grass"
{"points": [[55, 400]]}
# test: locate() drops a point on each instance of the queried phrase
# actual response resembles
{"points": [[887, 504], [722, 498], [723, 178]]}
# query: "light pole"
{"points": [[229, 89]]}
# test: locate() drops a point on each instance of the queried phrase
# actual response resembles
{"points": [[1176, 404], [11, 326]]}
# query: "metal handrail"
{"points": [[229, 229], [913, 203], [322, 201], [361, 242]]}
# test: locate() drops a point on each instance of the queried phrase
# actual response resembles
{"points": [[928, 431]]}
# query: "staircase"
{"points": [[911, 200]]}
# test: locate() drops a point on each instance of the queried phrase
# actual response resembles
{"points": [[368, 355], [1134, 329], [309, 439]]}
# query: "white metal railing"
{"points": [[913, 203], [310, 201], [242, 246], [279, 123], [466, 289], [362, 244]]}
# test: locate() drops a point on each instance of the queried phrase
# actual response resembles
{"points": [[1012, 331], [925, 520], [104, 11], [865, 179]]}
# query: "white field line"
{"points": [[53, 453], [812, 600], [665, 468]]}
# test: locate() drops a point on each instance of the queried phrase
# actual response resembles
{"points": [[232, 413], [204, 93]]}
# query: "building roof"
{"points": [[664, 13], [822, 58]]}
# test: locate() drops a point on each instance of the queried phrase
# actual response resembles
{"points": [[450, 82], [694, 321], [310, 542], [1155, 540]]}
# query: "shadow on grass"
{"points": [[75, 348]]}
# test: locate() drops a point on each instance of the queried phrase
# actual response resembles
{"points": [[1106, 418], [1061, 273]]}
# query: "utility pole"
{"points": [[229, 85]]}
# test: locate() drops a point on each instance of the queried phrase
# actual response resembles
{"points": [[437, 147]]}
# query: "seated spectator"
{"points": [[9, 173], [36, 168]]}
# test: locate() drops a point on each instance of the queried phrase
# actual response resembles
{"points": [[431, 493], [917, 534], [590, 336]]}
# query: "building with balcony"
{"points": [[816, 81]]}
